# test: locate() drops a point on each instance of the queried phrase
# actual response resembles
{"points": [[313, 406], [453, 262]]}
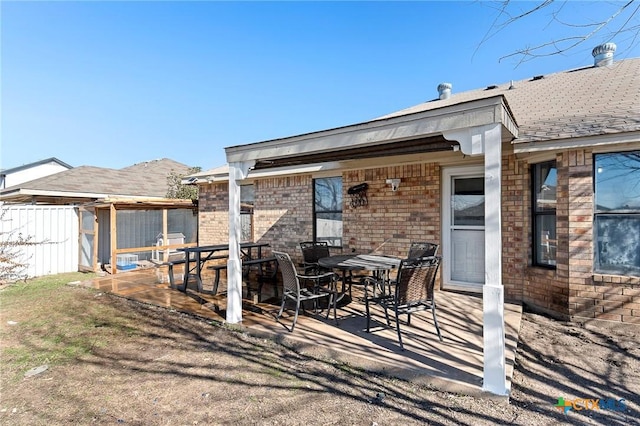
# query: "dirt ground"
{"points": [[160, 367]]}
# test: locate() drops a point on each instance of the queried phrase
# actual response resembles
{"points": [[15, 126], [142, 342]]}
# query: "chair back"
{"points": [[290, 281], [416, 280], [422, 249], [314, 250]]}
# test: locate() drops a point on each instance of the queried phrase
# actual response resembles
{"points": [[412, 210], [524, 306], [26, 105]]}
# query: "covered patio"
{"points": [[454, 365]]}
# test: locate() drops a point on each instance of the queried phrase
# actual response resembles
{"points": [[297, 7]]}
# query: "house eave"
{"points": [[423, 124], [23, 195], [576, 143]]}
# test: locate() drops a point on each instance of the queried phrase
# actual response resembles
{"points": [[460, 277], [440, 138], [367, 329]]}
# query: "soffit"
{"points": [[412, 133]]}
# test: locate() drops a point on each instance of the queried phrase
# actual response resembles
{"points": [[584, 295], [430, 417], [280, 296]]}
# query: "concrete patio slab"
{"points": [[453, 365]]}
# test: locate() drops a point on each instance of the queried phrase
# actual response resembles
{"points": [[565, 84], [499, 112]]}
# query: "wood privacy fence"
{"points": [[54, 229]]}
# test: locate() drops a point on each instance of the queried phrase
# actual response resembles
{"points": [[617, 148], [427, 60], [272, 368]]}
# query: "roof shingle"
{"points": [[582, 102], [147, 179]]}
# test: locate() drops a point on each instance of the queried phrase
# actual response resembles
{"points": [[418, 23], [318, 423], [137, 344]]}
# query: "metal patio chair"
{"points": [[321, 286], [418, 250], [311, 252], [423, 249], [412, 292]]}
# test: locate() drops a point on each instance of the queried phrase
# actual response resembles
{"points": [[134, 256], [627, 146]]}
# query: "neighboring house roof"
{"points": [[208, 176], [581, 102], [34, 164], [144, 180], [26, 172]]}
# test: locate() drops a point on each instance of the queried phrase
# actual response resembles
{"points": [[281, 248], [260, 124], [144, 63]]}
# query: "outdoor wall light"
{"points": [[395, 184]]}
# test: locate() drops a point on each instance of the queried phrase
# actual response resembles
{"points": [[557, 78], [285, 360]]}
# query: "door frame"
{"points": [[447, 174]]}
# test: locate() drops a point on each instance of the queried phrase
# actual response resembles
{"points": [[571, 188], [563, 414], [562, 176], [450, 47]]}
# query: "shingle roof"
{"points": [[147, 179], [576, 103]]}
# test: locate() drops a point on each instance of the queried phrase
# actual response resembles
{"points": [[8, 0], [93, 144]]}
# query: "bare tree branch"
{"points": [[564, 44]]}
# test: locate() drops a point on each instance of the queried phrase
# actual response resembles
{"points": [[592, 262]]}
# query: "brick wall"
{"points": [[213, 214], [392, 220], [282, 214], [515, 229]]}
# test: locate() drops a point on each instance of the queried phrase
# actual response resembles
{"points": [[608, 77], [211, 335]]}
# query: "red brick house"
{"points": [[532, 189]]}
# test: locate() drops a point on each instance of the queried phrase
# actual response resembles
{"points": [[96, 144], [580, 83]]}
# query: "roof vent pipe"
{"points": [[603, 54], [444, 90]]}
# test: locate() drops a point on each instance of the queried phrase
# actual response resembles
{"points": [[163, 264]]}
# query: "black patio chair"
{"points": [[413, 292], [321, 286], [311, 252], [418, 250], [422, 249]]}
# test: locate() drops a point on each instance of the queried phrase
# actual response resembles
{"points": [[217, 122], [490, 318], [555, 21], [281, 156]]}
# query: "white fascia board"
{"points": [[422, 124], [575, 143], [277, 171], [36, 192]]}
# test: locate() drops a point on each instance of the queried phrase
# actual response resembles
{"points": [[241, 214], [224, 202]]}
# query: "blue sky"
{"points": [[111, 84]]}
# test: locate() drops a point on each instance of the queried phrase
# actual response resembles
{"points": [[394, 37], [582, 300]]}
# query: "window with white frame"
{"points": [[327, 210], [616, 225], [544, 179]]}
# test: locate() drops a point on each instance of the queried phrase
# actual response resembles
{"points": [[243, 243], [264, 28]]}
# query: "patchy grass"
{"points": [[45, 321]]}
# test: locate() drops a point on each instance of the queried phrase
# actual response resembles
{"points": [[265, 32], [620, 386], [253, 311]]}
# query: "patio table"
{"points": [[378, 264], [199, 255]]}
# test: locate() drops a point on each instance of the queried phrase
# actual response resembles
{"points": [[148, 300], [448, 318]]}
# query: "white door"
{"points": [[463, 228]]}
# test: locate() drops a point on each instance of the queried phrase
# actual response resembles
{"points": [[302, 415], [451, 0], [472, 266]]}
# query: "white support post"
{"points": [[495, 375], [475, 141], [237, 171]]}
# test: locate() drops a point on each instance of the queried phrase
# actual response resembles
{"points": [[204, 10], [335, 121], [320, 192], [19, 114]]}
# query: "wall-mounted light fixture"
{"points": [[395, 184]]}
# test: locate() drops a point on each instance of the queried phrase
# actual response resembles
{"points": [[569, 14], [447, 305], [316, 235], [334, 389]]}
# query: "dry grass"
{"points": [[113, 361]]}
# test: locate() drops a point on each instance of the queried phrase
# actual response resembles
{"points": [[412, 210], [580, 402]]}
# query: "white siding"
{"points": [[56, 230], [31, 173]]}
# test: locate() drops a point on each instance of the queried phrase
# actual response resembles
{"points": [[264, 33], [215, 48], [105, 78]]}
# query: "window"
{"points": [[544, 179], [327, 210], [617, 213], [247, 201]]}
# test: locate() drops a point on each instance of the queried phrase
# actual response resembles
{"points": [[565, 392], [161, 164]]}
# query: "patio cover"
{"points": [[479, 127]]}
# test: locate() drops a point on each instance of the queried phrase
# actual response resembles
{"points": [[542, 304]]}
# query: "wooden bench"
{"points": [[263, 276]]}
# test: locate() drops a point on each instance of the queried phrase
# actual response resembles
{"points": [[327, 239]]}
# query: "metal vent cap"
{"points": [[603, 54], [444, 90]]}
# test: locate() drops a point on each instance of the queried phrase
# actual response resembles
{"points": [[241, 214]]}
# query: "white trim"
{"points": [[252, 175], [36, 192], [294, 170], [539, 157], [610, 149], [572, 143]]}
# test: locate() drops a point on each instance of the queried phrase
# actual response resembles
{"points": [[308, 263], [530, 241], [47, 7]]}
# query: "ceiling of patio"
{"points": [[411, 146]]}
